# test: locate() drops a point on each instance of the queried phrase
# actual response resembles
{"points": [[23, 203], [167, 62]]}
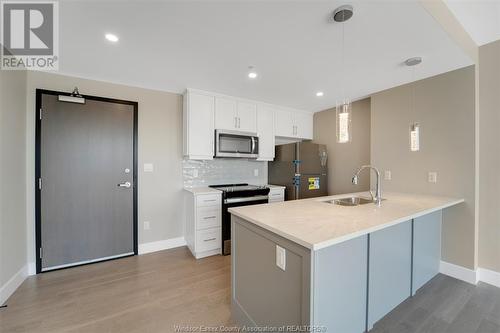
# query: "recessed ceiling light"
{"points": [[252, 74], [319, 94], [111, 37]]}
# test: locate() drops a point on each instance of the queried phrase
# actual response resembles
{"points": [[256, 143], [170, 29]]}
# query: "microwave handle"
{"points": [[253, 144]]}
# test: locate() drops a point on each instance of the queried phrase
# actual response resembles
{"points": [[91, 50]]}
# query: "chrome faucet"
{"points": [[377, 198]]}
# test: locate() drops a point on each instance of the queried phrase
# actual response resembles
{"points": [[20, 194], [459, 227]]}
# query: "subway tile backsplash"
{"points": [[223, 171]]}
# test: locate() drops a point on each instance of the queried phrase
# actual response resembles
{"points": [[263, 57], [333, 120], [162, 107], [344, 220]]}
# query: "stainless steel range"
{"points": [[236, 195]]}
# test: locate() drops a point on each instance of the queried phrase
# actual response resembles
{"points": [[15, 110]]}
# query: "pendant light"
{"points": [[414, 138], [344, 106]]}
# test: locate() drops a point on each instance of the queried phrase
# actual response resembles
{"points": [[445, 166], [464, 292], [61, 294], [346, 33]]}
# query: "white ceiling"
{"points": [[480, 18], [295, 49]]}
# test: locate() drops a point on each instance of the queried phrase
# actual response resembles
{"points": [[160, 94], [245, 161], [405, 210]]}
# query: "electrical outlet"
{"points": [[256, 172], [432, 177], [387, 175], [148, 167], [280, 257], [147, 225]]}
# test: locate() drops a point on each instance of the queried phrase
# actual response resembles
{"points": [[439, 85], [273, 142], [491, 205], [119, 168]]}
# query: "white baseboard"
{"points": [[14, 282], [31, 268], [458, 272], [161, 245], [489, 276]]}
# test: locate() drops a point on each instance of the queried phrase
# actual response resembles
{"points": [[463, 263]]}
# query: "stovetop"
{"points": [[241, 190], [237, 187]]}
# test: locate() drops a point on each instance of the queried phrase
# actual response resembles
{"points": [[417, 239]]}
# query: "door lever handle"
{"points": [[126, 185]]}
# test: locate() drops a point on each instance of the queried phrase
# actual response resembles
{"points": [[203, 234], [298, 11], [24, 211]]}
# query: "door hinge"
{"points": [[41, 253], [39, 183]]}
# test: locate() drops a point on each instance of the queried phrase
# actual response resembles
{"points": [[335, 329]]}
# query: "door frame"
{"points": [[38, 171]]}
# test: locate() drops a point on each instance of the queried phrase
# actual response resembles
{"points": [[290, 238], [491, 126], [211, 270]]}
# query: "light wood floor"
{"points": [[154, 292], [147, 293]]}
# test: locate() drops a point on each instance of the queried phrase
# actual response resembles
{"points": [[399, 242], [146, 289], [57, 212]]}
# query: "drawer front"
{"points": [[208, 218], [277, 195], [207, 200], [208, 239]]}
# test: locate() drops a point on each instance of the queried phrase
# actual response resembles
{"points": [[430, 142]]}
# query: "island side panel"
{"points": [[426, 248], [389, 270], [262, 293], [340, 286]]}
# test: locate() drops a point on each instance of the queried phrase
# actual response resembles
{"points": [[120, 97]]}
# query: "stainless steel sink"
{"points": [[350, 201]]}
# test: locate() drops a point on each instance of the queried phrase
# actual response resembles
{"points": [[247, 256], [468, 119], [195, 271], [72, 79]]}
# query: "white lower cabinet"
{"points": [[276, 194], [203, 223]]}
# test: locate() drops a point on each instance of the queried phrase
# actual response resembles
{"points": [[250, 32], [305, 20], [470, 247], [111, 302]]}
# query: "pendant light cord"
{"points": [[413, 87], [343, 64]]}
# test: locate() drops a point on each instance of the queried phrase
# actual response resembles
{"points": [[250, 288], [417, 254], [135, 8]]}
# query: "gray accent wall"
{"points": [[12, 174], [345, 158], [489, 156], [444, 107]]}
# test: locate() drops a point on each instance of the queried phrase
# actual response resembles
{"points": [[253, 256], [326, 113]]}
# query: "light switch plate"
{"points": [[147, 225], [280, 257], [195, 173], [256, 172], [387, 175], [148, 167], [432, 177]]}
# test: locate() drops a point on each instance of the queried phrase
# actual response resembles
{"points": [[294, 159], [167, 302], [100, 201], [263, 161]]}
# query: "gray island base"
{"points": [[281, 285]]}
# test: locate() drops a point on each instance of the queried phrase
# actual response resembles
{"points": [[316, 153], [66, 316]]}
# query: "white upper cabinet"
{"points": [[198, 126], [303, 125], [204, 112], [247, 117], [294, 124], [234, 115], [283, 123], [265, 131], [225, 114]]}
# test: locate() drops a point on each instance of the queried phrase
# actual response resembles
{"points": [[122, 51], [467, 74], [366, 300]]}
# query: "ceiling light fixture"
{"points": [[252, 74], [414, 126], [111, 37], [344, 107], [320, 94]]}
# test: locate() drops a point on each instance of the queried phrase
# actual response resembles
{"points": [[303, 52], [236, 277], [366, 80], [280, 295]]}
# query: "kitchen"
{"points": [[244, 151]]}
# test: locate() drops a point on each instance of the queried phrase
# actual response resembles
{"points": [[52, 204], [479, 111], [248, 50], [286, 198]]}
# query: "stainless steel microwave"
{"points": [[236, 144]]}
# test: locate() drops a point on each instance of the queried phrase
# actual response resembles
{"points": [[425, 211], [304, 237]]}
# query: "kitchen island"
{"points": [[340, 268]]}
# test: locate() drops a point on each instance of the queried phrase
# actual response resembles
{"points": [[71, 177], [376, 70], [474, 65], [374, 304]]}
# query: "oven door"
{"points": [[236, 144], [226, 217]]}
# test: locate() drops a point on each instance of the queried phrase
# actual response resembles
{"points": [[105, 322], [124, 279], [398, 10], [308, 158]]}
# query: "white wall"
{"points": [[12, 181], [159, 142]]}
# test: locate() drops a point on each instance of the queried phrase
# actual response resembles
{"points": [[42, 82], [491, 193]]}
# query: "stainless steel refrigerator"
{"points": [[302, 168]]}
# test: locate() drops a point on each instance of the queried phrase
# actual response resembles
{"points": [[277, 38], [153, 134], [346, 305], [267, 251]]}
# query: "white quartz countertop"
{"points": [[315, 224]]}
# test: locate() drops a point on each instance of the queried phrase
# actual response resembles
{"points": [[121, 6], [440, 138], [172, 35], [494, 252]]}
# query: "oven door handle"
{"points": [[247, 199]]}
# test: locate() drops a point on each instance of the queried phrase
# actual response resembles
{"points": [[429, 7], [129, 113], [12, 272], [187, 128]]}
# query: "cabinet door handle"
{"points": [[209, 240], [235, 122], [210, 200], [239, 122], [209, 217]]}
